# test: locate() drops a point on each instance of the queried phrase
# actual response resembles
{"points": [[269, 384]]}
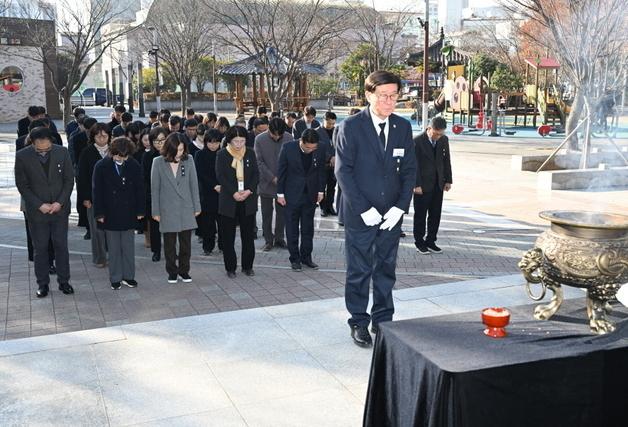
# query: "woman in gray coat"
{"points": [[175, 204]]}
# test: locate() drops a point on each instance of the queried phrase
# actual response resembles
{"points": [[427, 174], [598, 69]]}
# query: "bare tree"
{"points": [[87, 30], [184, 39], [589, 38], [381, 31], [284, 35]]}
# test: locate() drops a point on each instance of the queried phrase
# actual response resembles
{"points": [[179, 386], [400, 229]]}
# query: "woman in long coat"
{"points": [[156, 138], [98, 149], [238, 176], [175, 204]]}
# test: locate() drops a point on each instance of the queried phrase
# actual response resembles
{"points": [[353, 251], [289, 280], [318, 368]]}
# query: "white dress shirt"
{"points": [[376, 122]]}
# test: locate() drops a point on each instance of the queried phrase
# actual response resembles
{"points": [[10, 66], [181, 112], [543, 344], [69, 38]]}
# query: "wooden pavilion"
{"points": [[255, 67]]}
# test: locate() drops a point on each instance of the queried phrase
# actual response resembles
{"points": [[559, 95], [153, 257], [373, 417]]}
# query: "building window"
{"points": [[12, 79]]}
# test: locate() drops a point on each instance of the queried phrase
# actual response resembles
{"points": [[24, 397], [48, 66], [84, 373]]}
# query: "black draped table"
{"points": [[443, 371]]}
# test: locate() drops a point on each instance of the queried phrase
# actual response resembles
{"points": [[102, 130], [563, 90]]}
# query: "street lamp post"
{"points": [[155, 51], [426, 65]]}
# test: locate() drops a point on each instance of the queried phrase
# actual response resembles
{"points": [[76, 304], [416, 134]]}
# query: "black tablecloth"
{"points": [[443, 371]]}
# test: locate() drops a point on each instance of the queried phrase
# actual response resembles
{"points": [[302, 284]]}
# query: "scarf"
{"points": [[237, 162]]}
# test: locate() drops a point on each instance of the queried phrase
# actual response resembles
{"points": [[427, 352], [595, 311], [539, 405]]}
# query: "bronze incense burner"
{"points": [[587, 250]]}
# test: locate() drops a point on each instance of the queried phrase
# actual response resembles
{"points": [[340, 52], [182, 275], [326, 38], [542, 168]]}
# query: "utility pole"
{"points": [[426, 65], [214, 75]]}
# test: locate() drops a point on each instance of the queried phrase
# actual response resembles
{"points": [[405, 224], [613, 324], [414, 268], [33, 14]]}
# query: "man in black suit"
{"points": [[433, 178], [300, 185], [44, 177], [116, 117], [33, 113], [376, 169], [326, 133], [308, 121]]}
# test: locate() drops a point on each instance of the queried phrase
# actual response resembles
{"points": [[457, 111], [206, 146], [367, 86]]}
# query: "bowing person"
{"points": [[98, 149], [118, 199], [44, 176], [300, 186], [175, 204], [209, 189], [238, 176], [156, 139], [376, 169]]}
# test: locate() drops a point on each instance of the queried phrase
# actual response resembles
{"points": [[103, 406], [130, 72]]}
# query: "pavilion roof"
{"points": [[258, 63], [543, 63]]}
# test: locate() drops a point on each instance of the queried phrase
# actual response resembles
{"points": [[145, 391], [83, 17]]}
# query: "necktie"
{"points": [[382, 135]]}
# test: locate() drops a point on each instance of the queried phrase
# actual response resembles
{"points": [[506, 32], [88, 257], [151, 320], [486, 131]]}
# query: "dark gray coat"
{"points": [[36, 188], [175, 200], [267, 153]]}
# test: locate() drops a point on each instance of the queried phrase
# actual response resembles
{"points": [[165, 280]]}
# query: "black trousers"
{"points": [[185, 251], [155, 236], [227, 230], [29, 245], [300, 221], [208, 227], [327, 204], [428, 204], [56, 230]]}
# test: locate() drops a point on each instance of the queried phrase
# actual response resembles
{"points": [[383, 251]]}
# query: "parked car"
{"points": [[96, 95]]}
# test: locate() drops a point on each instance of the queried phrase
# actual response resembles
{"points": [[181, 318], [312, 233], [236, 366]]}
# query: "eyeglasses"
{"points": [[160, 140], [382, 97]]}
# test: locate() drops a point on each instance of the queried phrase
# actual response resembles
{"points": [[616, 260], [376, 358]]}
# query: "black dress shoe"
{"points": [[403, 233], [249, 272], [296, 266], [333, 212], [66, 288], [52, 270], [231, 274], [433, 248], [267, 247], [361, 336], [87, 235], [156, 256], [324, 213], [42, 292], [311, 264]]}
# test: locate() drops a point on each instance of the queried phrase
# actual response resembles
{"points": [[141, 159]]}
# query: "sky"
{"points": [[400, 4]]}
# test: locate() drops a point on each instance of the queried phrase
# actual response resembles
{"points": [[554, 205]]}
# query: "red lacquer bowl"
{"points": [[495, 318]]}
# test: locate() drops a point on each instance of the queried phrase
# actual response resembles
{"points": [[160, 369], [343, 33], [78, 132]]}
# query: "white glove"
{"points": [[371, 217], [392, 217]]}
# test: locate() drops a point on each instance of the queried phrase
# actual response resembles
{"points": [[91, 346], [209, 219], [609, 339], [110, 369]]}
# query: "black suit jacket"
{"points": [[147, 165], [299, 126], [118, 198], [226, 176], [89, 158], [434, 164], [36, 188], [205, 161], [22, 126], [293, 180], [368, 175]]}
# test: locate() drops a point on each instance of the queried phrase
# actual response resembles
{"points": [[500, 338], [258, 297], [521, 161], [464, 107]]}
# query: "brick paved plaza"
{"points": [[489, 220]]}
